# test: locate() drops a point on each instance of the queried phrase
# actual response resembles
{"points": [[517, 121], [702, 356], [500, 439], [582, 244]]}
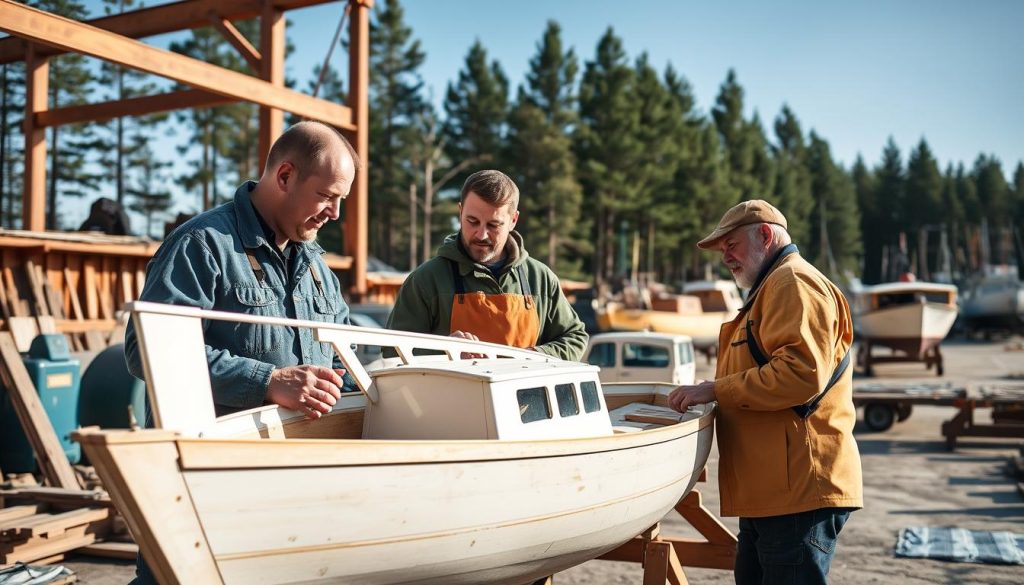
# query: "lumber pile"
{"points": [[42, 524]]}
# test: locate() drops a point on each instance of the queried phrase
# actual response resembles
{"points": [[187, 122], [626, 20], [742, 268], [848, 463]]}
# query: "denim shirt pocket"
{"points": [[326, 310], [259, 339]]}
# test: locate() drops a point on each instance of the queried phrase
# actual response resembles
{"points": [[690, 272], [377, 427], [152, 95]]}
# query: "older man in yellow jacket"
{"points": [[789, 465]]}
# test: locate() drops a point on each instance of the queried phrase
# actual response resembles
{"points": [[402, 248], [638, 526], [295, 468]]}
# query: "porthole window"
{"points": [[565, 394], [533, 404], [591, 401]]}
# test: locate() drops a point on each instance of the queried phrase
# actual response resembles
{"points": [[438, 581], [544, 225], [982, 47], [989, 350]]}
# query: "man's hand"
{"points": [[684, 397], [311, 390], [468, 355]]}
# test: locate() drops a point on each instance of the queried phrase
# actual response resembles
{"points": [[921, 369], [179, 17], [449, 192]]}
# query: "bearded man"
{"points": [[484, 286], [789, 466]]}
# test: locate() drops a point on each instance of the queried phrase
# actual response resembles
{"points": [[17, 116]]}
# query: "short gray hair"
{"points": [[780, 235]]}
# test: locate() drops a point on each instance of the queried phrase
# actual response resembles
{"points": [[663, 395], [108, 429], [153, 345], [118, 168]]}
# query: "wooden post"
{"points": [[272, 45], [356, 224], [37, 81]]}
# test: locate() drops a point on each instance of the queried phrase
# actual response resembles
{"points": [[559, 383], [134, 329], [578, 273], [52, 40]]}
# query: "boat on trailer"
{"points": [[501, 469]]}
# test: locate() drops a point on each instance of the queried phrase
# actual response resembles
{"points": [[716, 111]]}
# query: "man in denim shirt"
{"points": [[258, 255]]}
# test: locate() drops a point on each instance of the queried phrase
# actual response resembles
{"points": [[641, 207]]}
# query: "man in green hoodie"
{"points": [[482, 285]]}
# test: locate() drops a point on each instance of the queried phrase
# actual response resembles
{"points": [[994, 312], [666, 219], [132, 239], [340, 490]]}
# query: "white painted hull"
{"points": [[381, 512], [1002, 305], [907, 325]]}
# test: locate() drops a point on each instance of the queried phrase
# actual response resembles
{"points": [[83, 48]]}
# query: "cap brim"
{"points": [[712, 238]]}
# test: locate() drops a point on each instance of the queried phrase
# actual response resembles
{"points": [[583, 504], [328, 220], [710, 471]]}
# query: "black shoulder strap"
{"points": [[804, 410]]}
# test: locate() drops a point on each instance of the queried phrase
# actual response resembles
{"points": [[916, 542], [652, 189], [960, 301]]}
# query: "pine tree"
{"points": [[148, 187], [751, 175], [12, 142], [994, 196], [68, 146], [923, 212], [835, 238], [115, 147], [1018, 195], [867, 201], [395, 92], [477, 108], [793, 180], [889, 221], [607, 146], [209, 128], [541, 160]]}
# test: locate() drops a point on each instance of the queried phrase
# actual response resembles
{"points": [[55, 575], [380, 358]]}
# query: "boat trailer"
{"points": [[885, 405]]}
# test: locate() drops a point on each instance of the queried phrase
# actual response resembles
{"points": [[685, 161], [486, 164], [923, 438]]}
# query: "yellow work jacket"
{"points": [[772, 462]]}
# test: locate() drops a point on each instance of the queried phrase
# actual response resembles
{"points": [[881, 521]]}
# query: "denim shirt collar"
{"points": [[249, 228]]}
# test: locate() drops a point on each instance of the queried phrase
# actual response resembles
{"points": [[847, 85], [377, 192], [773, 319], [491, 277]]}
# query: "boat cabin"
{"points": [[894, 294], [487, 399]]}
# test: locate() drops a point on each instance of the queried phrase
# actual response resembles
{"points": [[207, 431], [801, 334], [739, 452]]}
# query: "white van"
{"points": [[642, 356]]}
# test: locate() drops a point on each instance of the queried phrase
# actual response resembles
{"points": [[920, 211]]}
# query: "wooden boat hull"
{"points": [[380, 512], [702, 328], [911, 328]]}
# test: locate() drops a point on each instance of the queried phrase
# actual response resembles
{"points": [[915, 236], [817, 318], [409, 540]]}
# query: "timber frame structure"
{"points": [[37, 35]]}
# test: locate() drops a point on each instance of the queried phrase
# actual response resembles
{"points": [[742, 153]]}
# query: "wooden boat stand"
{"points": [[930, 357], [663, 557]]}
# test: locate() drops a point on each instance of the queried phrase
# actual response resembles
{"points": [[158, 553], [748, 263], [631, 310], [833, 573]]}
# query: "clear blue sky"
{"points": [[855, 72]]}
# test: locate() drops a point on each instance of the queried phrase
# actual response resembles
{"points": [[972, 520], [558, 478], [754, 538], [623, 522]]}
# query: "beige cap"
{"points": [[746, 213]]}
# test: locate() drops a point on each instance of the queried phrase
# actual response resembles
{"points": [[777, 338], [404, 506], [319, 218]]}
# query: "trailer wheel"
{"points": [[903, 411], [879, 417]]}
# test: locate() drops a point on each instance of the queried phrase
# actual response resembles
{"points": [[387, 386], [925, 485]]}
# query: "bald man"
{"points": [[258, 255]]}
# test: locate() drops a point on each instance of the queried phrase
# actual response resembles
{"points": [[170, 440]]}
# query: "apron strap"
{"points": [[261, 276], [316, 279], [524, 285]]}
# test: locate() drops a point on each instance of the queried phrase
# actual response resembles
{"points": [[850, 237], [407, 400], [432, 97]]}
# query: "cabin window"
{"points": [[636, 355], [602, 355], [565, 394], [591, 401], [533, 404]]}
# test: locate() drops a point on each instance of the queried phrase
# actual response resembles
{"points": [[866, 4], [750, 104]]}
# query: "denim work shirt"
{"points": [[203, 264]]}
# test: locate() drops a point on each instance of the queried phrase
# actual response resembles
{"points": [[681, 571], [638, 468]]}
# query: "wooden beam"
{"points": [[165, 18], [39, 26], [272, 44], [356, 223], [37, 80], [49, 453], [137, 106], [238, 41]]}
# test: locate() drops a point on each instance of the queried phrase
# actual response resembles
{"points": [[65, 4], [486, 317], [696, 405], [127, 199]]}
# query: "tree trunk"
{"points": [[412, 225], [119, 170], [552, 237], [5, 196], [428, 205]]}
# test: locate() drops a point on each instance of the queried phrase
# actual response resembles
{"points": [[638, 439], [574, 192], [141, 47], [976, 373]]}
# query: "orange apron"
{"points": [[506, 318]]}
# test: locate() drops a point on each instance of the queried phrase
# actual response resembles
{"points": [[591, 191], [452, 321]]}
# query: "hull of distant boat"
{"points": [[1003, 308], [911, 328], [209, 510], [703, 328]]}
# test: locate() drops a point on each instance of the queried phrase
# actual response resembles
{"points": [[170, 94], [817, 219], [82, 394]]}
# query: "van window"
{"points": [[602, 355], [638, 355], [565, 394], [591, 401], [685, 353], [533, 404]]}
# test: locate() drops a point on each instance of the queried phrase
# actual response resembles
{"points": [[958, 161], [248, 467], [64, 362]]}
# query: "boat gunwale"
{"points": [[250, 453]]}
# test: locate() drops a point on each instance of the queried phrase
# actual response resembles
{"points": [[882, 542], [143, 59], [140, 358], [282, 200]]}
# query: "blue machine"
{"points": [[57, 379]]}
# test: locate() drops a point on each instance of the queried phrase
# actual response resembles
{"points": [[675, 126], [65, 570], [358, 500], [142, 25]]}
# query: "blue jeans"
{"points": [[794, 549]]}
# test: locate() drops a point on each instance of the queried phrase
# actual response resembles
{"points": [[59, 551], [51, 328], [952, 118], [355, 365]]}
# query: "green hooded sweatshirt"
{"points": [[424, 304]]}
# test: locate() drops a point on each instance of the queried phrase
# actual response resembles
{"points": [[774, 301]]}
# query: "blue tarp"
{"points": [[959, 544]]}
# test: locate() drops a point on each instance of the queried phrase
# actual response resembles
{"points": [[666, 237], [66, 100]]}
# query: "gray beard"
{"points": [[746, 277]]}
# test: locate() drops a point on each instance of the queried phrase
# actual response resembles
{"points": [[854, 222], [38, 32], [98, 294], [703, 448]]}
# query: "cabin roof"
{"points": [[708, 285], [492, 370], [907, 287], [638, 336]]}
